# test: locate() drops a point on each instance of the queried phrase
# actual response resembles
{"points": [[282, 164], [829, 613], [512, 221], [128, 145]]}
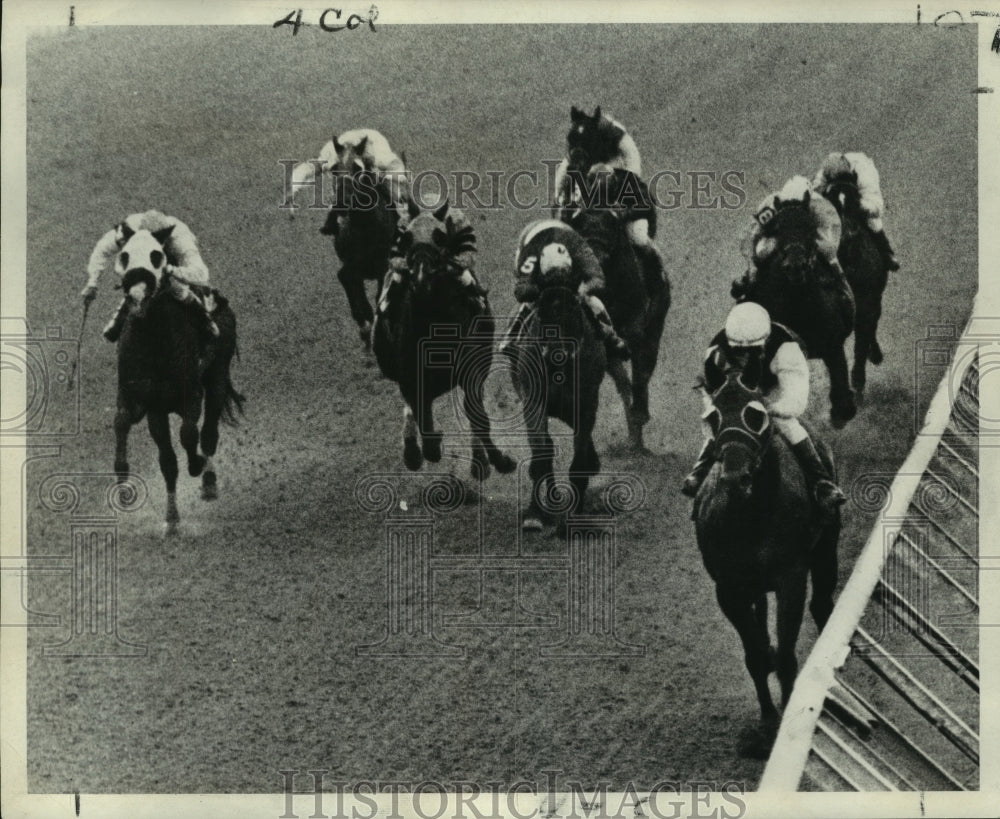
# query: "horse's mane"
{"points": [[847, 186]]}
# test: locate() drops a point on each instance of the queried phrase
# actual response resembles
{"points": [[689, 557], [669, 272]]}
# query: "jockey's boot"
{"points": [[616, 346], [112, 332], [207, 327], [513, 334], [819, 481], [886, 251], [693, 482]]}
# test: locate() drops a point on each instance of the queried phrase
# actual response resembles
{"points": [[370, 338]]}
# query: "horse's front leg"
{"points": [[412, 456], [842, 403], [738, 609], [214, 401], [865, 345], [430, 437], [123, 423], [585, 463], [357, 299], [189, 433], [791, 606], [484, 451], [623, 383], [540, 467], [159, 429]]}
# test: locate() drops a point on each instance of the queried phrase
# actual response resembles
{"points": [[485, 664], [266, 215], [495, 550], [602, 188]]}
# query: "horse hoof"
{"points": [[638, 446], [504, 464], [196, 465], [875, 354], [480, 470], [121, 471], [531, 523], [412, 456], [757, 742], [840, 414], [171, 528], [432, 448], [209, 488]]}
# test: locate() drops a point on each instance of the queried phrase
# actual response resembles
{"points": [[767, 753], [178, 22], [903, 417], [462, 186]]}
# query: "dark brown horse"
{"points": [[165, 366], [797, 287], [362, 239], [558, 366], [759, 532], [636, 292], [865, 269], [437, 339]]}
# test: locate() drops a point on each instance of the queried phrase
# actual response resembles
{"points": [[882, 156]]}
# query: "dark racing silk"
{"points": [[587, 270]]}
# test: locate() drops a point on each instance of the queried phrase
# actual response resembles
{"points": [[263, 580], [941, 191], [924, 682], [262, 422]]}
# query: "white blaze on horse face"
{"points": [[141, 252]]}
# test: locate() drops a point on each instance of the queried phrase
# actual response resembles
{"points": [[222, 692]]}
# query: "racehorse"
{"points": [[866, 272], [759, 532], [797, 287], [164, 367], [362, 240], [636, 293], [558, 366], [437, 339]]}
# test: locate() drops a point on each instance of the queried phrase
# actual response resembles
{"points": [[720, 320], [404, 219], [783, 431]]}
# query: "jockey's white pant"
{"points": [[638, 232], [791, 430]]}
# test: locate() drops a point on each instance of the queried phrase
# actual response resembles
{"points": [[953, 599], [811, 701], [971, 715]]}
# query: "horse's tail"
{"points": [[232, 400], [232, 403]]}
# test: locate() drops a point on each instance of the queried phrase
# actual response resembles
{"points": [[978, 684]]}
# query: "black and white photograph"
{"points": [[457, 410]]}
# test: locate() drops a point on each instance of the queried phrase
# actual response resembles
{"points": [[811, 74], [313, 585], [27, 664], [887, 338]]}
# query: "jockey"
{"points": [[185, 266], [753, 344], [462, 261], [860, 167], [550, 246], [599, 139], [373, 150], [762, 243]]}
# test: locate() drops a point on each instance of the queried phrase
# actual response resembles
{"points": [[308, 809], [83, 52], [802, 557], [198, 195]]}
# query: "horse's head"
{"points": [[842, 190], [742, 430], [357, 187], [599, 218], [591, 138], [141, 261], [794, 231], [431, 244]]}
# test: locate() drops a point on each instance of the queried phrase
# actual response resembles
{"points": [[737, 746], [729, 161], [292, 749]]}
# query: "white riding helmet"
{"points": [[554, 256], [748, 325], [796, 189]]}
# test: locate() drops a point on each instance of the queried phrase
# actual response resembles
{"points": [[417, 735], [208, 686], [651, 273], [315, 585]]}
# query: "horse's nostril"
{"points": [[746, 483]]}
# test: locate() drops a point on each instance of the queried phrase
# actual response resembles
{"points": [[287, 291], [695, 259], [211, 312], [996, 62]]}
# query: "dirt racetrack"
{"points": [[251, 617]]}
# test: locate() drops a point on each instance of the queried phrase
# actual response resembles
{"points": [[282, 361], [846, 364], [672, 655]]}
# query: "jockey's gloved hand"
{"points": [[89, 293]]}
